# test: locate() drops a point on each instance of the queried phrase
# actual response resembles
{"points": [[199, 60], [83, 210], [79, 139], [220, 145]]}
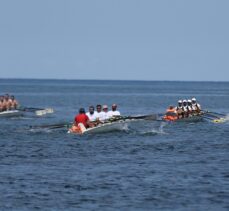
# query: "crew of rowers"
{"points": [[8, 102], [93, 118], [184, 109]]}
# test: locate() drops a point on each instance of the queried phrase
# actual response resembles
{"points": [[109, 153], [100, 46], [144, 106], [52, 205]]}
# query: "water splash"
{"points": [[227, 117], [155, 131], [125, 127]]}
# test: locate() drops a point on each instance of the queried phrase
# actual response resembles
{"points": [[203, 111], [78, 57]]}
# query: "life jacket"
{"points": [[170, 115], [170, 118]]}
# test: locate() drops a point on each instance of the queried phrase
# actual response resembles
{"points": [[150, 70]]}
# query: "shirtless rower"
{"points": [[14, 103], [7, 102], [1, 103]]}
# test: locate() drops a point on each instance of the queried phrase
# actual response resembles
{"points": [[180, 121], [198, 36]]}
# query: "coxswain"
{"points": [[196, 106], [114, 112], [179, 109], [82, 118], [14, 103], [171, 114]]}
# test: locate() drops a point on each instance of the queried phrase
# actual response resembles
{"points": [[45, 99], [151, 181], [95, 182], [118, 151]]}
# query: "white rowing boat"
{"points": [[102, 128], [11, 113]]}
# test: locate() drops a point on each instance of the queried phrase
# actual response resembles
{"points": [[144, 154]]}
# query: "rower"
{"points": [[185, 109], [4, 103], [92, 115], [196, 106], [7, 102], [14, 103], [1, 103], [170, 114], [179, 109], [100, 113], [106, 115], [114, 112], [189, 107]]}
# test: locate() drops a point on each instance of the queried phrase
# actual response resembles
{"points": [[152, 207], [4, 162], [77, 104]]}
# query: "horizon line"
{"points": [[143, 80]]}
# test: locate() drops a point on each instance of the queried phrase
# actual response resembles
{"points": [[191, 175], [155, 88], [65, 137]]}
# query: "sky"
{"points": [[115, 39]]}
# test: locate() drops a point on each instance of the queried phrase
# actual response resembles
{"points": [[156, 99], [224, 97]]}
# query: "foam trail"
{"points": [[154, 131]]}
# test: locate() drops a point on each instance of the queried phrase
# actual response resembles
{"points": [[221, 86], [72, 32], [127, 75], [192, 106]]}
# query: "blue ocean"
{"points": [[152, 165]]}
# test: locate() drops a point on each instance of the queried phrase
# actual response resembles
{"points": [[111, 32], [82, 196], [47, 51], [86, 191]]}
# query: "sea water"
{"points": [[147, 166]]}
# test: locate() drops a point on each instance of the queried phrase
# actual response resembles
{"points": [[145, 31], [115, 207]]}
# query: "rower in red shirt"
{"points": [[82, 118]]}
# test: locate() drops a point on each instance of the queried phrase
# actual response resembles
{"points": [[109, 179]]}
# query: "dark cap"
{"points": [[81, 110]]}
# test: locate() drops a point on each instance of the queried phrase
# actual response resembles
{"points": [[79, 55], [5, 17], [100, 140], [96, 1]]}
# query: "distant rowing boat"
{"points": [[194, 118], [26, 112], [11, 113]]}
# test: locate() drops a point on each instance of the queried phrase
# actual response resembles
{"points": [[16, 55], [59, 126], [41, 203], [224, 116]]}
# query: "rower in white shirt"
{"points": [[99, 113], [114, 111], [106, 114], [92, 115], [196, 106]]}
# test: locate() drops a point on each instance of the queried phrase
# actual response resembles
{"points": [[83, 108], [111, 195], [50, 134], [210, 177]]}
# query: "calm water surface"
{"points": [[148, 166]]}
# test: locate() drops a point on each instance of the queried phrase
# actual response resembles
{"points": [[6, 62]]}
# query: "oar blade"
{"points": [[44, 111], [52, 126]]}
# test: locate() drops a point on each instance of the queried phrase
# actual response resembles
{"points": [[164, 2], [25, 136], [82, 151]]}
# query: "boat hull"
{"points": [[102, 128], [190, 119], [11, 113]]}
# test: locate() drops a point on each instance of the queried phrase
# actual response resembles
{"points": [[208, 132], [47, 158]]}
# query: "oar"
{"points": [[215, 119], [44, 111], [52, 126], [212, 113], [145, 117], [37, 111]]}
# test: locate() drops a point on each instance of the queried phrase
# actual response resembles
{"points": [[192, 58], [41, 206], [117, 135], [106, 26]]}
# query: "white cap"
{"points": [[193, 99], [179, 101], [189, 101], [184, 101]]}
